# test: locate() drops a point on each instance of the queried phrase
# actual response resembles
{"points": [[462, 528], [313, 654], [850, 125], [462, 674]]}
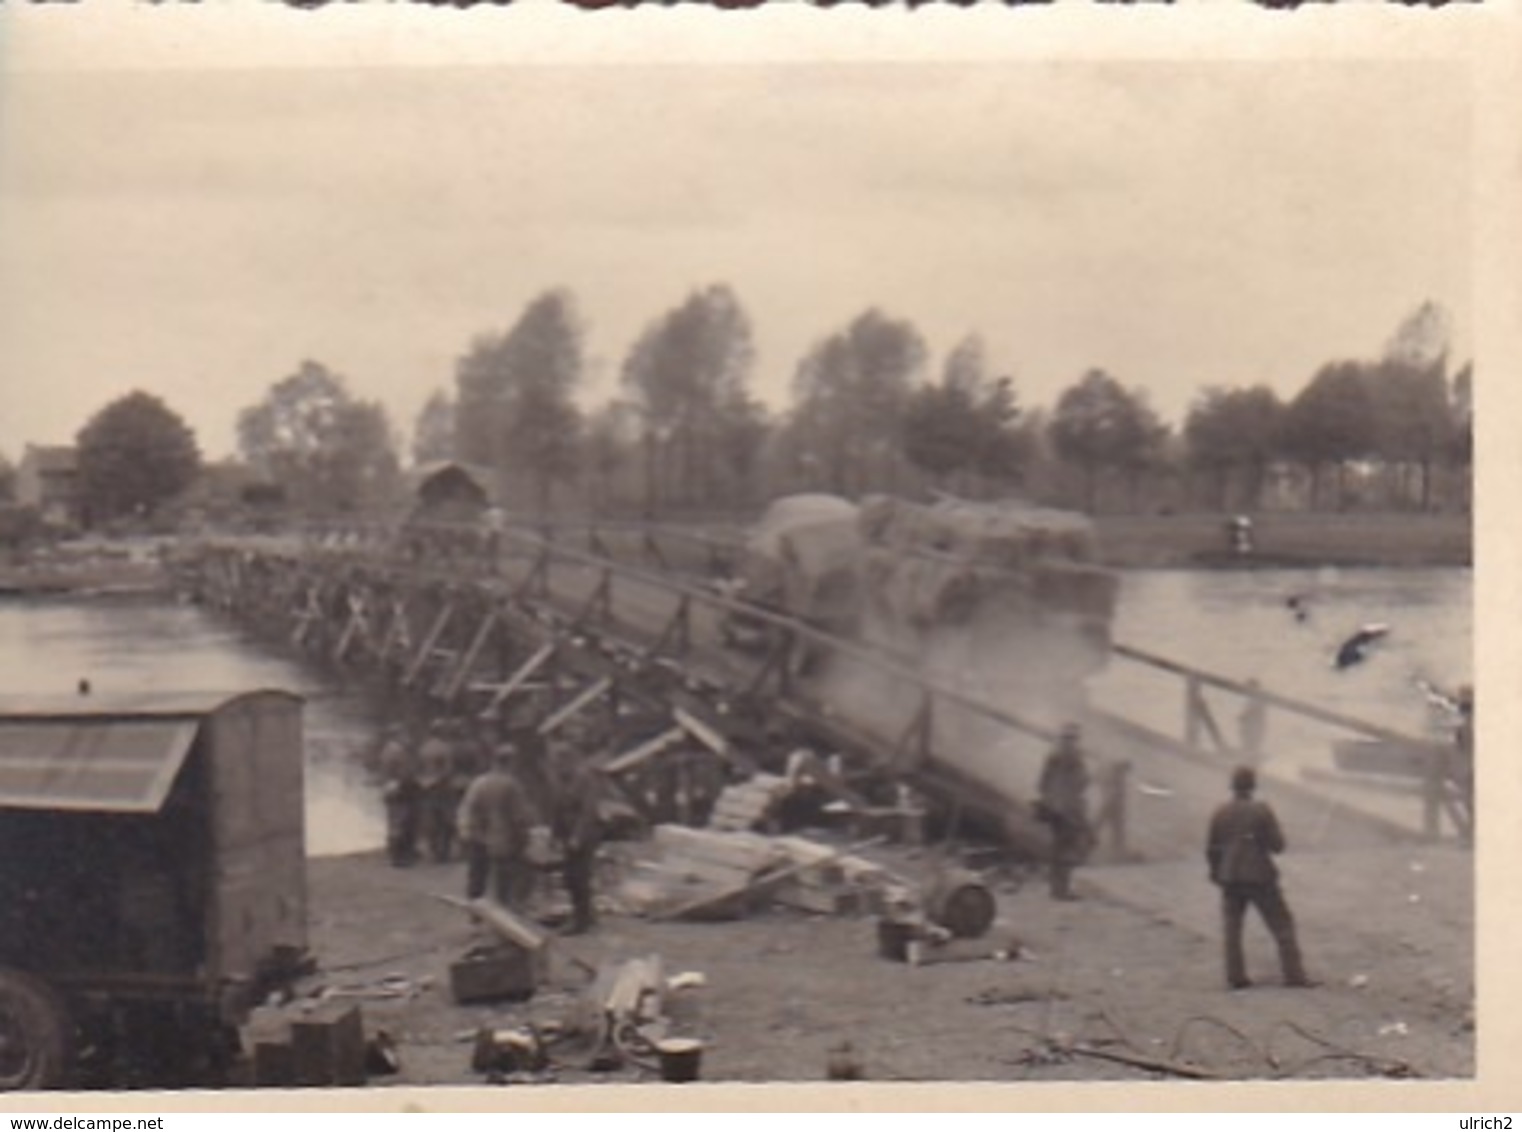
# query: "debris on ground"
{"points": [[719, 983], [686, 873], [519, 1050], [1016, 997], [508, 967], [381, 1057], [842, 1064]]}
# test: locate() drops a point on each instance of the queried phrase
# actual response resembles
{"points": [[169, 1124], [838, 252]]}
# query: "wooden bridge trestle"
{"points": [[512, 630]]}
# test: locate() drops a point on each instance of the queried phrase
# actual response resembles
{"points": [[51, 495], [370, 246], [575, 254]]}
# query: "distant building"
{"points": [[451, 491], [229, 492], [47, 480]]}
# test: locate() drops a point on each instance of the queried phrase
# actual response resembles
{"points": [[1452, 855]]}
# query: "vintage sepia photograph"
{"points": [[534, 572]]}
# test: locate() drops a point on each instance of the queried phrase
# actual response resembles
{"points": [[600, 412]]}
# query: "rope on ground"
{"points": [[1384, 1066], [1177, 1048], [1116, 1028]]}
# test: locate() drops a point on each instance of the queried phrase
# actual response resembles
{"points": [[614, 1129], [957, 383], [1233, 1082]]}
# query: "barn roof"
{"points": [[482, 477]]}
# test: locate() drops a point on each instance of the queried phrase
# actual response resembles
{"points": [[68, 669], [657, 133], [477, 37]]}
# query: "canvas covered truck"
{"points": [[802, 559], [905, 576], [1005, 602], [152, 881]]}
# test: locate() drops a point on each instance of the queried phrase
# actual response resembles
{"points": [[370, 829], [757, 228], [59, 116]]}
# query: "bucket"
{"points": [[681, 1059]]}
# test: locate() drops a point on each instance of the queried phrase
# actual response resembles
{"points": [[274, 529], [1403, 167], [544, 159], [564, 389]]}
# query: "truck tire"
{"points": [[36, 1035]]}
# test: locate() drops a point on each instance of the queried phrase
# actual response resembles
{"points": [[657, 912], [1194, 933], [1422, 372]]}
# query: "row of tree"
{"points": [[684, 433]]}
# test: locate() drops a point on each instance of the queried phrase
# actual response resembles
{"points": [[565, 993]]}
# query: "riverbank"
{"points": [[1133, 969], [1287, 540], [85, 570], [30, 585]]}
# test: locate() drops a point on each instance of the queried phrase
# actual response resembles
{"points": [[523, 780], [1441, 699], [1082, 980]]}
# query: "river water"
{"points": [[1235, 623], [143, 645]]}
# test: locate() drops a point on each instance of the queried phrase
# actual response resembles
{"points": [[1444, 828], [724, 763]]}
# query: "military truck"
{"points": [[905, 576]]}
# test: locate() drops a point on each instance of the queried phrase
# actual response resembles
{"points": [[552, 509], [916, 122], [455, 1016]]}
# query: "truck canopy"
{"points": [[107, 755]]}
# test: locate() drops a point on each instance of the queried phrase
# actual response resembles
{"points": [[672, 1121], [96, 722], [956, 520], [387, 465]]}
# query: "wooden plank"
{"points": [[820, 901], [506, 923], [583, 698], [636, 993], [637, 756], [356, 616], [517, 679], [703, 733], [710, 846], [483, 632], [713, 876], [756, 885], [423, 654]]}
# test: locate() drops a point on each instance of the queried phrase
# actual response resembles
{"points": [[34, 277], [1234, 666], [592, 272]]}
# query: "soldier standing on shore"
{"points": [[440, 790], [1244, 838], [1110, 821], [494, 824], [401, 792], [1063, 805], [577, 827], [1252, 723]]}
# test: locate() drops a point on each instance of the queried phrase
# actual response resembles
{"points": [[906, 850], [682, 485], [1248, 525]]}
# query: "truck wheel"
{"points": [[35, 1034]]}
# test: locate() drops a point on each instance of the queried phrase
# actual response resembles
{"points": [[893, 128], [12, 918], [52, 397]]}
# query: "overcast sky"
{"points": [[198, 233]]}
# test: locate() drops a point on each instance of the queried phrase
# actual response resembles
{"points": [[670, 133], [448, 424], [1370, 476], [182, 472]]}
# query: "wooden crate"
{"points": [[274, 1064], [505, 974], [328, 1047]]}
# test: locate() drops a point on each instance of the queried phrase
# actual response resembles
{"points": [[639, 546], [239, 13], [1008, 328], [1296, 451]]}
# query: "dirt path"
{"points": [[1134, 969]]}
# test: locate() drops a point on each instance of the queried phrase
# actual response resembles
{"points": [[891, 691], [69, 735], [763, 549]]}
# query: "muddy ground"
{"points": [[1133, 969]]}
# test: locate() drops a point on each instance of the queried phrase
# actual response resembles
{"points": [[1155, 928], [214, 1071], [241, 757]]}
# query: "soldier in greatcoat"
{"points": [[494, 823]]}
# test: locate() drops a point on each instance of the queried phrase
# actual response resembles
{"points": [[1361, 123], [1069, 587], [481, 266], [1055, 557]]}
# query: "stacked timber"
{"points": [[747, 805], [683, 866], [712, 874], [833, 884]]}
